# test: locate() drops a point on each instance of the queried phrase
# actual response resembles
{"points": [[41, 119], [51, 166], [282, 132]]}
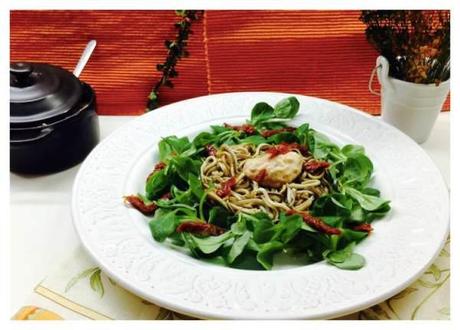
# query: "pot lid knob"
{"points": [[20, 74]]}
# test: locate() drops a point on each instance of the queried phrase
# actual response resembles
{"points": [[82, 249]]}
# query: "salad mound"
{"points": [[238, 195]]}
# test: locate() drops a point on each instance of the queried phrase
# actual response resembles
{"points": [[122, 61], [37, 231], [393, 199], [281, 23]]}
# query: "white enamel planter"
{"points": [[411, 107]]}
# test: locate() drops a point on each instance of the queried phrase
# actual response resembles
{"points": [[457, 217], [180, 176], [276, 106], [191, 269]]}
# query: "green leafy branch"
{"points": [[176, 51]]}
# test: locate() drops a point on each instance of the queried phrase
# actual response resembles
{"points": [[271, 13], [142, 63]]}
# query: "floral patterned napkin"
{"points": [[79, 290]]}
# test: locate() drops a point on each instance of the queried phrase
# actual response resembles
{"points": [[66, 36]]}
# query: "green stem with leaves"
{"points": [[176, 51]]}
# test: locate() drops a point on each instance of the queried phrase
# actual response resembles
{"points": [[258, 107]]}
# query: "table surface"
{"points": [[42, 233]]}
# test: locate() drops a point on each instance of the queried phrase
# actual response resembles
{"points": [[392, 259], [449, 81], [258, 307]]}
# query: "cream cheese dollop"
{"points": [[274, 171]]}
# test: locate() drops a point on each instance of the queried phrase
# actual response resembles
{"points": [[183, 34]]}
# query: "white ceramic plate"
{"points": [[401, 247]]}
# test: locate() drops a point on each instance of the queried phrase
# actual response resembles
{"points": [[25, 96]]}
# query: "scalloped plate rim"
{"points": [[191, 310]]}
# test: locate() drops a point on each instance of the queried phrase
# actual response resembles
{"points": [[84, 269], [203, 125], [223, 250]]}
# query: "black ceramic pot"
{"points": [[53, 120]]}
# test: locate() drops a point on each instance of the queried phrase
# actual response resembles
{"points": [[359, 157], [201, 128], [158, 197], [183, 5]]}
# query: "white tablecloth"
{"points": [[42, 233]]}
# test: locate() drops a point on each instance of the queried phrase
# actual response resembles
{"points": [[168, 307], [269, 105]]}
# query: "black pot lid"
{"points": [[40, 92]]}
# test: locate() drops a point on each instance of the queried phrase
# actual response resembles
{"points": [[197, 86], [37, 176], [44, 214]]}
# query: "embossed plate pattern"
{"points": [[401, 247]]}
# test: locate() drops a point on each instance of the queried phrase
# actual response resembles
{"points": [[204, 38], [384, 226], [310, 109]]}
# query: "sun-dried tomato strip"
{"points": [[201, 228], [245, 128], [261, 175], [139, 204], [279, 149], [284, 148], [210, 150], [302, 148], [316, 223], [315, 166], [271, 132], [226, 187], [158, 167], [366, 227]]}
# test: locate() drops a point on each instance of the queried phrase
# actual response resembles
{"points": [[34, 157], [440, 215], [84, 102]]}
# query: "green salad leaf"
{"points": [[263, 115], [345, 258], [287, 108], [172, 146], [262, 112], [210, 244], [238, 246], [163, 224], [267, 252], [367, 202], [157, 183]]}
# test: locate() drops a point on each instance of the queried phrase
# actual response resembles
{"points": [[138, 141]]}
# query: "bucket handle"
{"points": [[382, 68], [371, 80]]}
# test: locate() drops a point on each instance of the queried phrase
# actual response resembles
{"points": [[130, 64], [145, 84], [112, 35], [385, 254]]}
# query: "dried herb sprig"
{"points": [[416, 43], [176, 51]]}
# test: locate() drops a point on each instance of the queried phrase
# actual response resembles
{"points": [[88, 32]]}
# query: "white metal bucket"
{"points": [[412, 108]]}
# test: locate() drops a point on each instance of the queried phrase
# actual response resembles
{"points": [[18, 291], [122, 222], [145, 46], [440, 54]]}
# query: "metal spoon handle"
{"points": [[84, 58]]}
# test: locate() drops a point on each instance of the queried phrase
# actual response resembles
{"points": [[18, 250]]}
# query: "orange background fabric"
{"points": [[317, 53]]}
